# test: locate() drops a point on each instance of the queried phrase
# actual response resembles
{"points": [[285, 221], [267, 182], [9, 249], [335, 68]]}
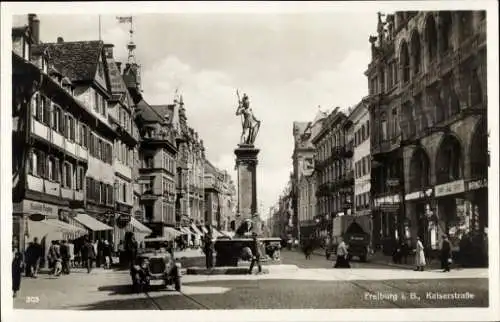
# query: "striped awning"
{"points": [[216, 233], [171, 233], [185, 230], [204, 229], [196, 230]]}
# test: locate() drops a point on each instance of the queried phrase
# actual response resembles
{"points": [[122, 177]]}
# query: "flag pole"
{"points": [[99, 27]]}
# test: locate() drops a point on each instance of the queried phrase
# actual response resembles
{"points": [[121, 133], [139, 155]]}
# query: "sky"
{"points": [[289, 64]]}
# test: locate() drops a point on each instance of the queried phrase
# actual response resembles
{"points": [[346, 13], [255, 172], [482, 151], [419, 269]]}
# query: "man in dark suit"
{"points": [[445, 254], [255, 254]]}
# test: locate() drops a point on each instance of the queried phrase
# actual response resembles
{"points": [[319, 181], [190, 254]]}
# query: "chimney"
{"points": [[34, 25], [60, 40], [108, 50]]}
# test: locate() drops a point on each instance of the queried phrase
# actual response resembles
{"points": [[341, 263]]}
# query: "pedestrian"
{"points": [[88, 254], [106, 253], [52, 256], [71, 251], [445, 254], [419, 256], [255, 247], [342, 255], [65, 257], [29, 256], [17, 269], [208, 248], [57, 259]]}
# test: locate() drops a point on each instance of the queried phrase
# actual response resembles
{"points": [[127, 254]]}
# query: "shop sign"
{"points": [[33, 207], [123, 208], [450, 188], [123, 220], [392, 182], [36, 217], [418, 194], [477, 184], [394, 199]]}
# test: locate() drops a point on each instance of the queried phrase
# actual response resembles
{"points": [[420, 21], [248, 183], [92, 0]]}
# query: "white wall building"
{"points": [[360, 118]]}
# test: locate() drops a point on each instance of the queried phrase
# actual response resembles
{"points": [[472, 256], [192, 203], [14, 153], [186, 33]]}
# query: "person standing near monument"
{"points": [[209, 251], [445, 254], [255, 247]]}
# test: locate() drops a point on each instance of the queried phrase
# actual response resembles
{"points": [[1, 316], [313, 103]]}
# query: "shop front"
{"points": [[45, 221], [386, 212], [462, 214], [418, 205]]}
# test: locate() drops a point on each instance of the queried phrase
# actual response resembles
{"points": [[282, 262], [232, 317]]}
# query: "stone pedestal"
{"points": [[246, 167]]}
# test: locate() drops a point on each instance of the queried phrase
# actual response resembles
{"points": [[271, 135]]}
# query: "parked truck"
{"points": [[355, 232]]}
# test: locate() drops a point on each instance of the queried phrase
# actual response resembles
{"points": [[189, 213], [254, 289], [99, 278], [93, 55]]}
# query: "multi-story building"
{"points": [[427, 81], [50, 156], [219, 197], [213, 193], [157, 167], [228, 201], [334, 177], [303, 181], [361, 162], [190, 175], [120, 115]]}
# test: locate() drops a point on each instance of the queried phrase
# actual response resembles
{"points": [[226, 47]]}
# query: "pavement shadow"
{"points": [[122, 289]]}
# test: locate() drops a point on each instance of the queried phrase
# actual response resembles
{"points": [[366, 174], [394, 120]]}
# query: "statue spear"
{"points": [[239, 105]]}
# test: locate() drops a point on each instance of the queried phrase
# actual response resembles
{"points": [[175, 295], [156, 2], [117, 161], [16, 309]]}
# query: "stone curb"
{"points": [[221, 271]]}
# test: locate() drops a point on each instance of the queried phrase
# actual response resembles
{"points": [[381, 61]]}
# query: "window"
{"points": [[97, 101], [124, 192], [99, 149], [149, 162], [46, 111], [368, 128], [71, 128], [55, 118], [50, 167], [384, 130], [67, 173]]}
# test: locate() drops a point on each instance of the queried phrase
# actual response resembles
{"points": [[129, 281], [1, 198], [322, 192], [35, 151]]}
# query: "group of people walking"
{"points": [[61, 257]]}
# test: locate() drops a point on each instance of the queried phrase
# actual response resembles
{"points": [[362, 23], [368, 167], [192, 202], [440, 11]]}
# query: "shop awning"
{"points": [[204, 229], [91, 223], [171, 233], [216, 233], [140, 227], [185, 231], [64, 227], [196, 230], [227, 233]]}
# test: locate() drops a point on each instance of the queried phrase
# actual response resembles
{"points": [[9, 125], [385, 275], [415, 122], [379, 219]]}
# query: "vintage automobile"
{"points": [[156, 265]]}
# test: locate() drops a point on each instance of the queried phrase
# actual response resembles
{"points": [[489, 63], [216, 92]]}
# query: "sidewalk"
{"points": [[381, 259], [72, 291]]}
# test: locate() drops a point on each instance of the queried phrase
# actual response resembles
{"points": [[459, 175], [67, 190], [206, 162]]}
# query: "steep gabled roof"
{"points": [[165, 111], [115, 78], [147, 113], [78, 60]]}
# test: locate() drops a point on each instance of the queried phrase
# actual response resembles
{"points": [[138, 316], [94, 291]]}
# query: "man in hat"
{"points": [[256, 254], [445, 254]]}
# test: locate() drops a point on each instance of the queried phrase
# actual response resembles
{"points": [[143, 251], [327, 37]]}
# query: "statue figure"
{"points": [[250, 125]]}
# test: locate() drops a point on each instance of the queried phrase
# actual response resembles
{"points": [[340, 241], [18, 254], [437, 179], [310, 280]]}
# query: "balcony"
{"points": [[79, 195], [53, 188], [124, 170], [46, 133], [67, 193], [381, 147]]}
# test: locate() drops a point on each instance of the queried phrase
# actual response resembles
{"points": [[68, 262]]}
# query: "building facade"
{"points": [[334, 177], [303, 181], [49, 161], [359, 133], [427, 81]]}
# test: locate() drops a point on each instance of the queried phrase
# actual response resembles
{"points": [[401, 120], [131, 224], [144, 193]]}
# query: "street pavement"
{"points": [[297, 283]]}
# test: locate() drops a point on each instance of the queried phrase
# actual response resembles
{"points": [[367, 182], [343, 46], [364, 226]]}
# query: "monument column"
{"points": [[246, 167]]}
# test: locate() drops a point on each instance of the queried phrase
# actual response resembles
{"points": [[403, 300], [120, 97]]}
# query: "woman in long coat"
{"points": [[17, 268], [419, 255]]}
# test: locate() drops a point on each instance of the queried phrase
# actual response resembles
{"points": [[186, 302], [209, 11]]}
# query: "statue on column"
{"points": [[250, 124]]}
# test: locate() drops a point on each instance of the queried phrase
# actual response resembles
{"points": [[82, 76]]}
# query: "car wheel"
{"points": [[177, 284]]}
